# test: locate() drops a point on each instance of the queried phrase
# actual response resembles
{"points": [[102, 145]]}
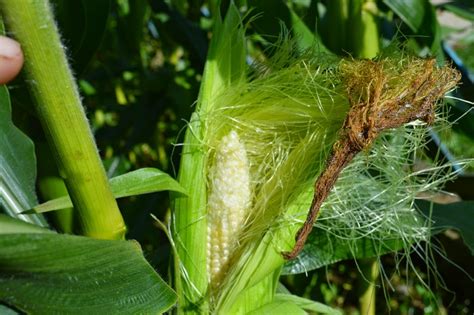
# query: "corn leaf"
{"points": [[10, 225], [17, 166], [322, 249], [420, 16], [461, 10], [412, 12], [270, 13], [139, 182], [4, 310], [458, 216], [63, 274]]}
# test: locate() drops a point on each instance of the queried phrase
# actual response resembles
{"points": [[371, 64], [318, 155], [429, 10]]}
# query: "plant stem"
{"points": [[63, 118], [364, 37], [370, 269], [337, 15], [51, 186]]}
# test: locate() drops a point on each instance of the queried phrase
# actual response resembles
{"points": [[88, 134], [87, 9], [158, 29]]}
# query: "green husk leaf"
{"points": [[265, 290], [138, 182], [63, 274], [224, 67]]}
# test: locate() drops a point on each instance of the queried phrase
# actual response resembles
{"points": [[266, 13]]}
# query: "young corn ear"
{"points": [[229, 199]]}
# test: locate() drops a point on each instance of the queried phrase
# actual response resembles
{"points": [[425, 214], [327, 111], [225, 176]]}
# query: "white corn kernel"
{"points": [[229, 199]]}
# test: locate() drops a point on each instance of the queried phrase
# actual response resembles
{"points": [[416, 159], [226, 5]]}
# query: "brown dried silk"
{"points": [[383, 94]]}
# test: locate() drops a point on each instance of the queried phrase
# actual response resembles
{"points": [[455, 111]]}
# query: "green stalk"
{"points": [[337, 27], [366, 287], [63, 118], [364, 35], [51, 186]]}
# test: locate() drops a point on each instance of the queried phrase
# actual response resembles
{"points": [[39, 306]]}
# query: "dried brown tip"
{"points": [[383, 94]]}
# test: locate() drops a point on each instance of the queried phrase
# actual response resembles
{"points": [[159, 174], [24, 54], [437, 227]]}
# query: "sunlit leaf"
{"points": [[139, 182]]}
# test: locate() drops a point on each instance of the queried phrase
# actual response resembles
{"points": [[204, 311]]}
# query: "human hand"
{"points": [[11, 59]]}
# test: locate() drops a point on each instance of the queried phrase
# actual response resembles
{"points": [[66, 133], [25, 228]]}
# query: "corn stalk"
{"points": [[62, 116]]}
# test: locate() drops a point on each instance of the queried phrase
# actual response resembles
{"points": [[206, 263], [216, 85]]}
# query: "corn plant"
{"points": [[298, 139]]}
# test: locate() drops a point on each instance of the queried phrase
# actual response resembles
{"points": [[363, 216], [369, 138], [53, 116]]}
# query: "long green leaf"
{"points": [[461, 10], [17, 166], [270, 14], [143, 181], [63, 274], [322, 249], [458, 216], [420, 16], [412, 12], [139, 182], [4, 310]]}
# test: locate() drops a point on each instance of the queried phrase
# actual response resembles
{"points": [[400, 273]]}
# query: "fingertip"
{"points": [[11, 59]]}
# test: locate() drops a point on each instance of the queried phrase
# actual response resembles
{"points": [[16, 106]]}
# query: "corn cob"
{"points": [[229, 199]]}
